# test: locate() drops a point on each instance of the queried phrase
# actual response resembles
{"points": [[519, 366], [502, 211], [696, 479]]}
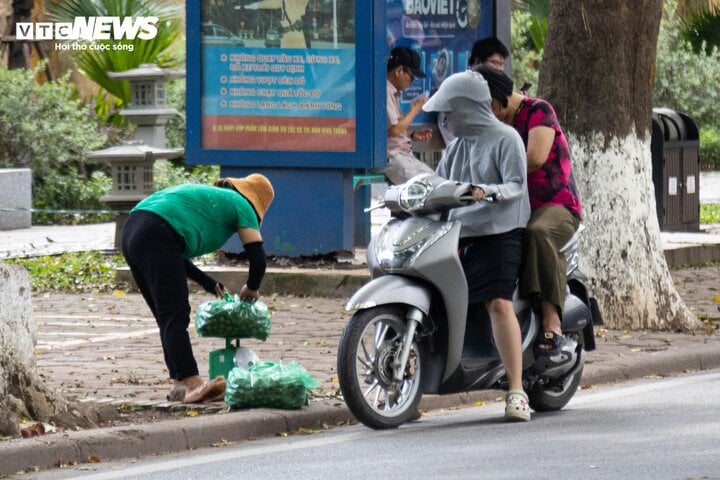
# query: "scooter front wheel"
{"points": [[367, 352]]}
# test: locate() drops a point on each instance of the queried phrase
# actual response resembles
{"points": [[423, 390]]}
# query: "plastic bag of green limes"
{"points": [[231, 317], [269, 384]]}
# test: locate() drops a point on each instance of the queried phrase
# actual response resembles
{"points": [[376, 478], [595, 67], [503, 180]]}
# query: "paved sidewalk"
{"points": [[103, 347]]}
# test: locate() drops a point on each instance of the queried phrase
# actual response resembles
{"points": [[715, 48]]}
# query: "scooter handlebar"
{"points": [[377, 206]]}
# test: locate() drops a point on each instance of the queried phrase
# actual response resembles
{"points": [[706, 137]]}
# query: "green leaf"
{"points": [[95, 64]]}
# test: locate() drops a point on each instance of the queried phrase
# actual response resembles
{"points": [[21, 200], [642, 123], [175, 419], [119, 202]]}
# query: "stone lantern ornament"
{"points": [[131, 163], [148, 103], [131, 166]]}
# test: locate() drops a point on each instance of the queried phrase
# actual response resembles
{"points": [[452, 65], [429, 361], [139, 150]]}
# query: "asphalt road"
{"points": [[654, 429]]}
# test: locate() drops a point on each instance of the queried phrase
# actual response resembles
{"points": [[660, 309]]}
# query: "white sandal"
{"points": [[516, 406]]}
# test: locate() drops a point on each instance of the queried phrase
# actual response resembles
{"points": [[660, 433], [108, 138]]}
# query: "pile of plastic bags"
{"points": [[253, 383]]}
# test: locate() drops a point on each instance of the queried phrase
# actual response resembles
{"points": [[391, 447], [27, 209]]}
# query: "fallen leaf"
{"points": [[636, 349], [93, 459], [192, 413], [118, 293], [479, 403]]}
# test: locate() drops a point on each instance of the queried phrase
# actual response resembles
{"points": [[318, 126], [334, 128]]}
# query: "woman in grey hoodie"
{"points": [[491, 156]]}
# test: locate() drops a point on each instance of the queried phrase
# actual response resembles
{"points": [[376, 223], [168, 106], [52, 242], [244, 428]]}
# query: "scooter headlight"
{"points": [[394, 254], [414, 193]]}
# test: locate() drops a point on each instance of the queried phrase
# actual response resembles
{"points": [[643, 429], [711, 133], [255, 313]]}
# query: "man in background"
{"points": [[402, 68]]}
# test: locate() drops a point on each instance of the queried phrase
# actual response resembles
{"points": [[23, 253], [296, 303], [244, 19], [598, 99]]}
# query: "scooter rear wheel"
{"points": [[549, 398], [366, 353]]}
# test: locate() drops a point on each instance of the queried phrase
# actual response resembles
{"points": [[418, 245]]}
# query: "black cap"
{"points": [[407, 58]]}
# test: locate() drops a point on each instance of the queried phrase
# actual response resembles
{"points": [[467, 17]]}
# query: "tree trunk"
{"points": [[598, 72], [23, 394], [19, 56]]}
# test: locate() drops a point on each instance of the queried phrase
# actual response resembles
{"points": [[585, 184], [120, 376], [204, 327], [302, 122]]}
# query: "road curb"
{"points": [[660, 363], [343, 282], [332, 283], [692, 255], [169, 436]]}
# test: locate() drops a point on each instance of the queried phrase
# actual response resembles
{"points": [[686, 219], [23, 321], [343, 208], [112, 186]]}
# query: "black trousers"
{"points": [[153, 251]]}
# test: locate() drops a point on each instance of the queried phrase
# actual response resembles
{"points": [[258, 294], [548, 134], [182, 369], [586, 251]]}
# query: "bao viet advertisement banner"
{"points": [[442, 32], [279, 75]]}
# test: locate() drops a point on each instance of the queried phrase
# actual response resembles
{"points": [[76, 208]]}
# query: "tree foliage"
{"points": [[525, 57], [701, 26], [686, 80], [44, 127], [95, 64]]}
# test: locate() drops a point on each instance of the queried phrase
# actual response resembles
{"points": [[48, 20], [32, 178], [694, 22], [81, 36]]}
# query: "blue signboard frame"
{"points": [[368, 51]]}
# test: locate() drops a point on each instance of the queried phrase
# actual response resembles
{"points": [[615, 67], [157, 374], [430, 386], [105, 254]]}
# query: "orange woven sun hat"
{"points": [[257, 189]]}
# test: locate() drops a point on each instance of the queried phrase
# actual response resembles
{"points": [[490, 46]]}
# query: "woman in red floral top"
{"points": [[554, 201]]}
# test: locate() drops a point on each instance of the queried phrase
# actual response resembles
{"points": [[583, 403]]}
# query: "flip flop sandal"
{"points": [[517, 407], [208, 392]]}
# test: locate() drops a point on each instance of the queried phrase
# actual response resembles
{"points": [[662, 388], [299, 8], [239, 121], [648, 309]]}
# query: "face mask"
{"points": [[452, 124]]}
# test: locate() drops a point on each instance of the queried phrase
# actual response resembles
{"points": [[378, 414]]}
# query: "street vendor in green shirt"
{"points": [[168, 228]]}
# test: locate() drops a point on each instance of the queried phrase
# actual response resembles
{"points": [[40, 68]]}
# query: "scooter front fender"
{"points": [[391, 289]]}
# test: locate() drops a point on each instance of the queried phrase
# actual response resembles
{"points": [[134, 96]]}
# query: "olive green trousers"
{"points": [[542, 276]]}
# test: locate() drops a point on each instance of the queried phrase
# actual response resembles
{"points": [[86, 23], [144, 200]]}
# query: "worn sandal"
{"points": [[207, 392], [517, 407]]}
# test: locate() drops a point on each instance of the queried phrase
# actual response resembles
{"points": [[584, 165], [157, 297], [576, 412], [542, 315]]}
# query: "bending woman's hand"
{"points": [[249, 295]]}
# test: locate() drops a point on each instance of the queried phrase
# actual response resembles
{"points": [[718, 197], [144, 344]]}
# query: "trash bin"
{"points": [[675, 146]]}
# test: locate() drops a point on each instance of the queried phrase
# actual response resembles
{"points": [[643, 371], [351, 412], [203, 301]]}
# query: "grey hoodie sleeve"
{"points": [[510, 161]]}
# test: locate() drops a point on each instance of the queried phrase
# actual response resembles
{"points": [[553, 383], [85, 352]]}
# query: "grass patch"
{"points": [[709, 213], [72, 272]]}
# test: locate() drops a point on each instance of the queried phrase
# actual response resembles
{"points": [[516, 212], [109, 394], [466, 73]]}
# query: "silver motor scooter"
{"points": [[410, 333]]}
